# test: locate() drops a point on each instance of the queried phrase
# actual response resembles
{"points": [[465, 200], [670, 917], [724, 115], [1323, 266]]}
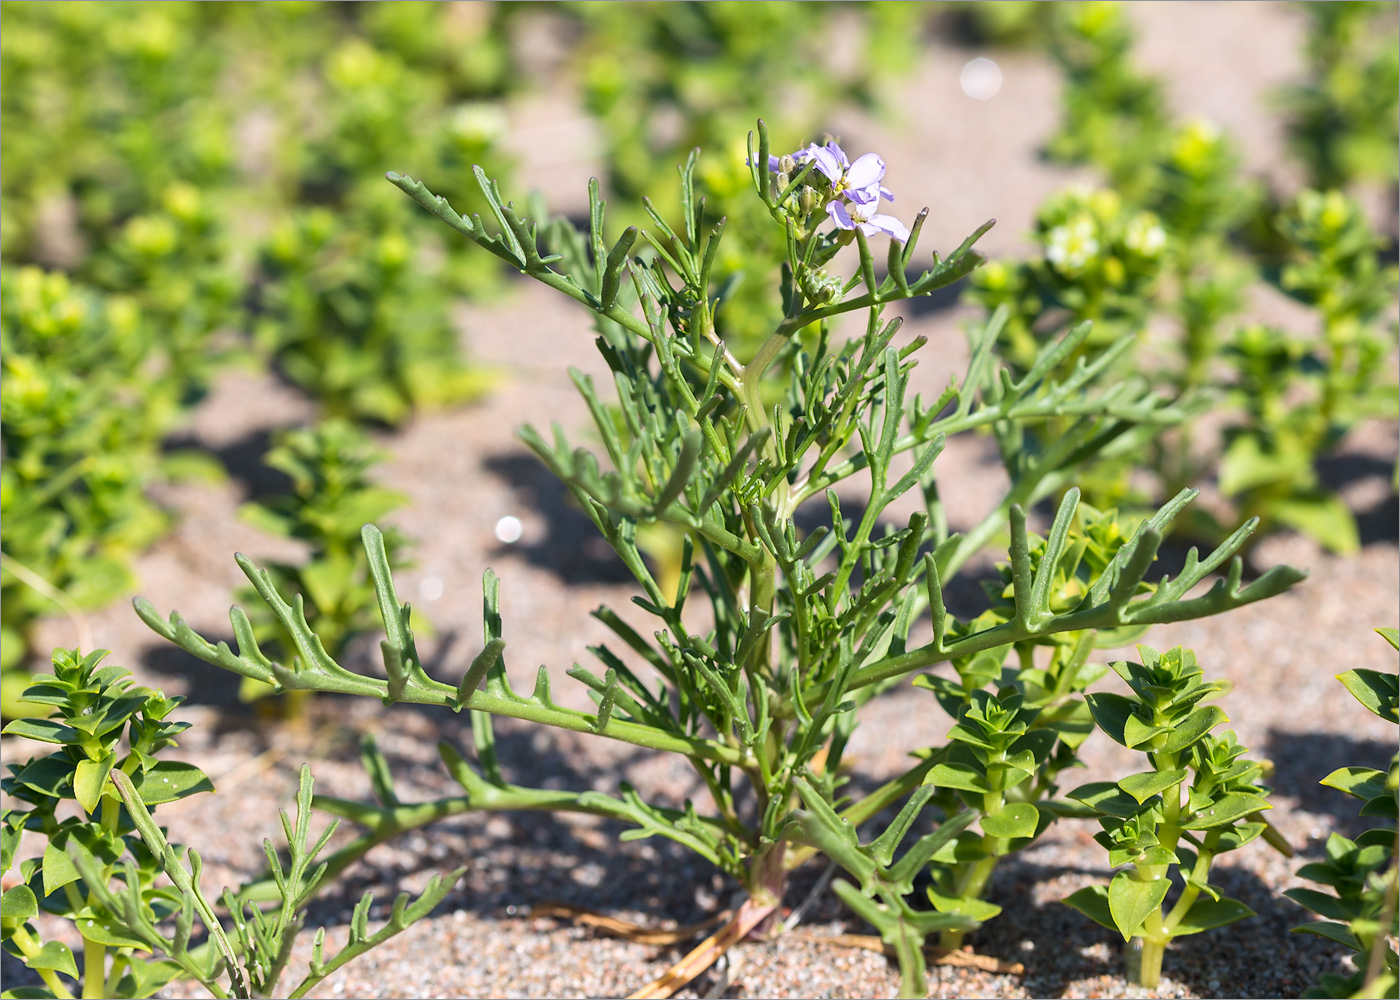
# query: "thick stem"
{"points": [[970, 885], [94, 969], [766, 883], [1144, 960]]}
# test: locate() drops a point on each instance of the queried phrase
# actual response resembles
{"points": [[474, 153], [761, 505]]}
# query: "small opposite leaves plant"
{"points": [[1192, 234], [331, 498], [1011, 742], [761, 688], [101, 862], [1343, 117], [1358, 906], [1114, 116], [174, 262], [1298, 396], [89, 391], [1199, 799], [352, 318]]}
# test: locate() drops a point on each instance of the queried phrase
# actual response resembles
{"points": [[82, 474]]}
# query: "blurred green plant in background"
{"points": [[1180, 235], [88, 393], [196, 177], [1344, 120]]}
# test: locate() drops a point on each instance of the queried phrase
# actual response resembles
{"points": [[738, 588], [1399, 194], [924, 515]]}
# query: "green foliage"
{"points": [[154, 154], [1098, 261], [105, 107], [331, 498], [1114, 116], [1155, 821], [800, 631], [1180, 235], [347, 316], [1299, 396], [1343, 117], [89, 390], [1359, 905], [662, 79], [101, 862]]}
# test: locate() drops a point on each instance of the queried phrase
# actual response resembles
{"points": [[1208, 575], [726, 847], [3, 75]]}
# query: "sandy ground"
{"points": [[464, 470]]}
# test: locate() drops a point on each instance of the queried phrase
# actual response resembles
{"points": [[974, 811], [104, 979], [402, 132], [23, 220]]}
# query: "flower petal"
{"points": [[887, 224], [864, 196], [827, 163], [868, 170], [839, 153], [886, 193], [839, 215]]}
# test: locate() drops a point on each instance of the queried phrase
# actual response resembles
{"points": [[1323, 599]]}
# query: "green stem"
{"points": [[1200, 874], [94, 970], [29, 948], [971, 883], [1144, 961]]}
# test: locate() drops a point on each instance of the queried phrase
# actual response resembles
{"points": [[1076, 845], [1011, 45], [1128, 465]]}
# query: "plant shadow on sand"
{"points": [[572, 548], [517, 859], [1303, 759]]}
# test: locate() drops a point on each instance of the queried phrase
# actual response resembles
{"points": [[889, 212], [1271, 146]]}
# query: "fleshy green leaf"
{"points": [[1111, 712], [1340, 933], [1107, 797], [1377, 691], [1138, 734], [1018, 819], [1225, 810], [1382, 806], [1149, 783], [89, 777], [59, 869], [1206, 913], [102, 927], [1195, 726], [170, 780], [44, 730], [1131, 900], [978, 909], [961, 776], [1092, 901], [54, 955], [1323, 904], [47, 775], [1363, 782], [19, 903]]}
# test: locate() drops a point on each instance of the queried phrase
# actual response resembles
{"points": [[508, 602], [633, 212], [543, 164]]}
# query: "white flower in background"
{"points": [[1071, 246], [1145, 236]]}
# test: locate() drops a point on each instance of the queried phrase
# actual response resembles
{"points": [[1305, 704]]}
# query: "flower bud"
{"points": [[786, 164], [808, 199]]}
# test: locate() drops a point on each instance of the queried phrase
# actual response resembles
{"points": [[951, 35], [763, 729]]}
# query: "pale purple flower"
{"points": [[857, 188], [864, 215], [859, 182]]}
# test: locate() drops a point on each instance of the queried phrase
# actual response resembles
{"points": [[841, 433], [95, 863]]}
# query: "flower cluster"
{"points": [[856, 188]]}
